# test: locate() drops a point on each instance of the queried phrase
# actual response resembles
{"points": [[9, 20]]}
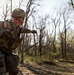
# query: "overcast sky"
{"points": [[46, 5], [51, 5]]}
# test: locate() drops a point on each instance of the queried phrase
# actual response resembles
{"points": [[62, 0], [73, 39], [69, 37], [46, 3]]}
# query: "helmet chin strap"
{"points": [[18, 21]]}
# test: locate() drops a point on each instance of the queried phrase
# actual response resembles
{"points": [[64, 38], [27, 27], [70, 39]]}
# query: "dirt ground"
{"points": [[47, 68]]}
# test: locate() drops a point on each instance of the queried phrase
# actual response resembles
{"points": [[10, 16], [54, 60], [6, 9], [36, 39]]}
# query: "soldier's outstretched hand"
{"points": [[34, 31]]}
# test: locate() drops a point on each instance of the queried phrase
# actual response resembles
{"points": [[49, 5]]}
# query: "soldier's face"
{"points": [[18, 21]]}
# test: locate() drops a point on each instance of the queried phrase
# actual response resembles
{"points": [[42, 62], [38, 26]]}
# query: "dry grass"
{"points": [[46, 68]]}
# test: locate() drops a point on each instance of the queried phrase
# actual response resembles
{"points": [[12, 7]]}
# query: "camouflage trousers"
{"points": [[8, 63], [2, 64]]}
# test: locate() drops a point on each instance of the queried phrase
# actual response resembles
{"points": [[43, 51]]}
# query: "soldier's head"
{"points": [[18, 16]]}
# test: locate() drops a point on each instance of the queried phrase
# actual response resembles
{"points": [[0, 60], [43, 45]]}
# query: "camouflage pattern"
{"points": [[11, 27], [8, 37], [17, 13], [9, 40]]}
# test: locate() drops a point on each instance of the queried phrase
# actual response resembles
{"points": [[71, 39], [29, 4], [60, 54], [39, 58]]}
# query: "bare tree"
{"points": [[55, 22], [66, 24], [30, 9]]}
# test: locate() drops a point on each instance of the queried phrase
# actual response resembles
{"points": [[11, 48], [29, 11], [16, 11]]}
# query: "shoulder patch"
{"points": [[5, 25]]}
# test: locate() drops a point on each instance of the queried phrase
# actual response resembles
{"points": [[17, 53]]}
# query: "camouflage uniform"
{"points": [[10, 31], [9, 39], [15, 31]]}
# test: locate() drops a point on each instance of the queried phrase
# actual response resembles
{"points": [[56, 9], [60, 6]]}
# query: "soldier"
{"points": [[9, 35]]}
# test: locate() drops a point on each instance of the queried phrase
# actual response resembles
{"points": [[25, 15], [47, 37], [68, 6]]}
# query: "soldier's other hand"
{"points": [[34, 31]]}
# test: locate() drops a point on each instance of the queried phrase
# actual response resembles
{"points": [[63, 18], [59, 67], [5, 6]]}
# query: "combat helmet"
{"points": [[18, 13]]}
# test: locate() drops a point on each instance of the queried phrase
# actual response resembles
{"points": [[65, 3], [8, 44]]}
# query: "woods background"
{"points": [[55, 32]]}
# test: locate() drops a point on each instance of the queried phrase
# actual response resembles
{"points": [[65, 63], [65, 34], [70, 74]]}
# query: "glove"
{"points": [[34, 31]]}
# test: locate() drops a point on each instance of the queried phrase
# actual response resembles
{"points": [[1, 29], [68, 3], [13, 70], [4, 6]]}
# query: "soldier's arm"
{"points": [[25, 30]]}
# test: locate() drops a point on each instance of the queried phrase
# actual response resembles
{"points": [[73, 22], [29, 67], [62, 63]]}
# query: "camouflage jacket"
{"points": [[9, 25], [9, 35]]}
